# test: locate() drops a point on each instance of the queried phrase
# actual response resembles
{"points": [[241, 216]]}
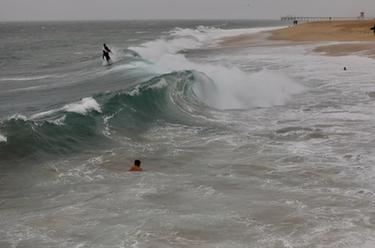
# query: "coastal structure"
{"points": [[362, 16], [313, 18]]}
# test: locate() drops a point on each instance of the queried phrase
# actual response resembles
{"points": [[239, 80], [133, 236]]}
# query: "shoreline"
{"points": [[352, 37]]}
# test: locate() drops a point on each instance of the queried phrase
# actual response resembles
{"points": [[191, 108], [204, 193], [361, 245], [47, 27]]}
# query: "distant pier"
{"points": [[316, 18]]}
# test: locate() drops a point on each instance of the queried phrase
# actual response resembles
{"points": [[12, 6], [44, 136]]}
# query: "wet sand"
{"points": [[247, 40], [365, 49]]}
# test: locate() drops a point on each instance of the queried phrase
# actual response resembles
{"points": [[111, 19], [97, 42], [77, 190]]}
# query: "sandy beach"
{"points": [[353, 37], [345, 31], [356, 36]]}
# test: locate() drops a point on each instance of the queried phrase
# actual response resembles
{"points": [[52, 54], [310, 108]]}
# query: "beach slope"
{"points": [[327, 31], [355, 37]]}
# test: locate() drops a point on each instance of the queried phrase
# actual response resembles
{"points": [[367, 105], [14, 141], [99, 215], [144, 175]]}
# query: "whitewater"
{"points": [[265, 145]]}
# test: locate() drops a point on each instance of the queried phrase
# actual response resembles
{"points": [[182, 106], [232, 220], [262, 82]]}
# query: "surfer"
{"points": [[106, 52], [136, 167], [106, 56], [107, 48]]}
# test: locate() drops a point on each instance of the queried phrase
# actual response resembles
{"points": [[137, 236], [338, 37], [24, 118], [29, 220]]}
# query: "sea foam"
{"points": [[18, 117], [29, 78], [82, 107], [234, 88], [3, 139]]}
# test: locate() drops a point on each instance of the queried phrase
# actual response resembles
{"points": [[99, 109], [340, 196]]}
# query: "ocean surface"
{"points": [[268, 146]]}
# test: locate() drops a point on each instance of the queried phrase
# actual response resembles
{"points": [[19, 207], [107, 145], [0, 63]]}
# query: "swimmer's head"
{"points": [[137, 162]]}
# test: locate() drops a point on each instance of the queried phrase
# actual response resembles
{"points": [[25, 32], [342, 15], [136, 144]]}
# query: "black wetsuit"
{"points": [[106, 56], [107, 48]]}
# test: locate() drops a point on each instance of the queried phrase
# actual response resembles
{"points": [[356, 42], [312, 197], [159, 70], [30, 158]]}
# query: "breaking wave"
{"points": [[169, 98], [180, 92]]}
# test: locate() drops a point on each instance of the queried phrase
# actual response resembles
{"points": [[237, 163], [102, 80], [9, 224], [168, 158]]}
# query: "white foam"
{"points": [[161, 84], [45, 113], [59, 121], [107, 130], [116, 54], [134, 91], [3, 139], [157, 49], [233, 88], [82, 107], [27, 78], [181, 39], [236, 89], [212, 35], [18, 117]]}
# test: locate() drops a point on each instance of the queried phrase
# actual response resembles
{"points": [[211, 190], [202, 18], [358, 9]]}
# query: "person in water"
{"points": [[136, 167], [107, 48], [106, 56], [106, 52]]}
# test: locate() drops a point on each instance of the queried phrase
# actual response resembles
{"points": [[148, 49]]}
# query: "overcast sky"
{"points": [[178, 9]]}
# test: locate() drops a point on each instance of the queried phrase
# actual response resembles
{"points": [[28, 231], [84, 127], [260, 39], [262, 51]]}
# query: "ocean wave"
{"points": [[181, 92], [234, 88], [91, 121], [30, 137]]}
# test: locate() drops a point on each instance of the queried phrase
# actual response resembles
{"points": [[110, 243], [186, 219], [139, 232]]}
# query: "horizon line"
{"points": [[151, 19]]}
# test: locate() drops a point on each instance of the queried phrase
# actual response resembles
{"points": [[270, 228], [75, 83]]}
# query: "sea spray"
{"points": [[3, 139], [234, 88], [82, 107]]}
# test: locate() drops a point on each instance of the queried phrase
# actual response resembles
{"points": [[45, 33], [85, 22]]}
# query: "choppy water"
{"points": [[266, 146]]}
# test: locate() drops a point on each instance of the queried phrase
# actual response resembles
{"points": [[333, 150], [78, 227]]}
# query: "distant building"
{"points": [[362, 16]]}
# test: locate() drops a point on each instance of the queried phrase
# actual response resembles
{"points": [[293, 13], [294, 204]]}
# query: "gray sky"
{"points": [[178, 9]]}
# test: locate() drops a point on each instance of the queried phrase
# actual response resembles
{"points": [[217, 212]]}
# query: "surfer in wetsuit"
{"points": [[106, 56], [136, 167], [107, 48], [106, 52]]}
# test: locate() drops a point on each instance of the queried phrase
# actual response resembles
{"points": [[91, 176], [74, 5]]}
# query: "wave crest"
{"points": [[167, 98]]}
